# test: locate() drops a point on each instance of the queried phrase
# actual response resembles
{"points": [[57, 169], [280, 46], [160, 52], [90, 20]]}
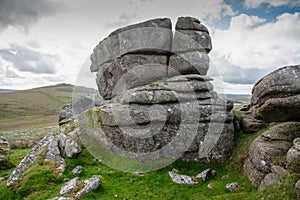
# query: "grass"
{"points": [[40, 183]]}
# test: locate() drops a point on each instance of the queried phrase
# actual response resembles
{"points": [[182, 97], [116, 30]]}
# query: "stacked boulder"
{"points": [[162, 104], [191, 45]]}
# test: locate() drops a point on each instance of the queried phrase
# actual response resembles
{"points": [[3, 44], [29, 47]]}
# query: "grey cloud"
{"points": [[25, 13], [28, 60], [123, 20], [8, 73], [237, 75]]}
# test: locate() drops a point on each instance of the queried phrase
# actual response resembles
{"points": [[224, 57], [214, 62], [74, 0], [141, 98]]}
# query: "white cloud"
{"points": [[28, 60], [274, 3], [251, 48]]}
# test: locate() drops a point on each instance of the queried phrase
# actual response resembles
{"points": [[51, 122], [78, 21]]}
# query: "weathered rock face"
{"points": [[276, 96], [146, 119], [245, 122], [130, 71], [268, 150], [4, 150], [293, 157], [69, 148], [273, 179], [130, 55]]}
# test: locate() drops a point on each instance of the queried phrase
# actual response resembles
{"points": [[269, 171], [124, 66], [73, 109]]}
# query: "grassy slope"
{"points": [[37, 107]]}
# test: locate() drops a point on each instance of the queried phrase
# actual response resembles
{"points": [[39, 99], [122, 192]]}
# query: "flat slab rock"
{"points": [[154, 36]]}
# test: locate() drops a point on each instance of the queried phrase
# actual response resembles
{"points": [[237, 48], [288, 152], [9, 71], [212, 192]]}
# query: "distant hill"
{"points": [[238, 98], [33, 108], [6, 90]]}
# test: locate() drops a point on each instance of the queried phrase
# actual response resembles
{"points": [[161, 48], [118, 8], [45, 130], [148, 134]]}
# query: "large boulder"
{"points": [[269, 149], [4, 150], [276, 96], [179, 110], [161, 103]]}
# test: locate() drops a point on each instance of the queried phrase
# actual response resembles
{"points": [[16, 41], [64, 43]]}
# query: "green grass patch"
{"points": [[40, 183]]}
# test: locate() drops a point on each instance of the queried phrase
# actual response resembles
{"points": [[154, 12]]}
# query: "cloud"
{"points": [[124, 19], [251, 48], [25, 13], [134, 11], [273, 3], [27, 60], [220, 67], [9, 72]]}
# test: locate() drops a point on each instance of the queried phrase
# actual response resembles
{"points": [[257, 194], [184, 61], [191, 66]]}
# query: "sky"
{"points": [[46, 42]]}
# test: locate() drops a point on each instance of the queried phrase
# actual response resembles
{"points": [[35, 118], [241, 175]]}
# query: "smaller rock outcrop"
{"points": [[204, 175], [77, 170], [53, 157], [4, 150], [232, 187], [276, 97], [181, 179], [69, 186], [77, 188], [45, 150], [69, 148]]}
